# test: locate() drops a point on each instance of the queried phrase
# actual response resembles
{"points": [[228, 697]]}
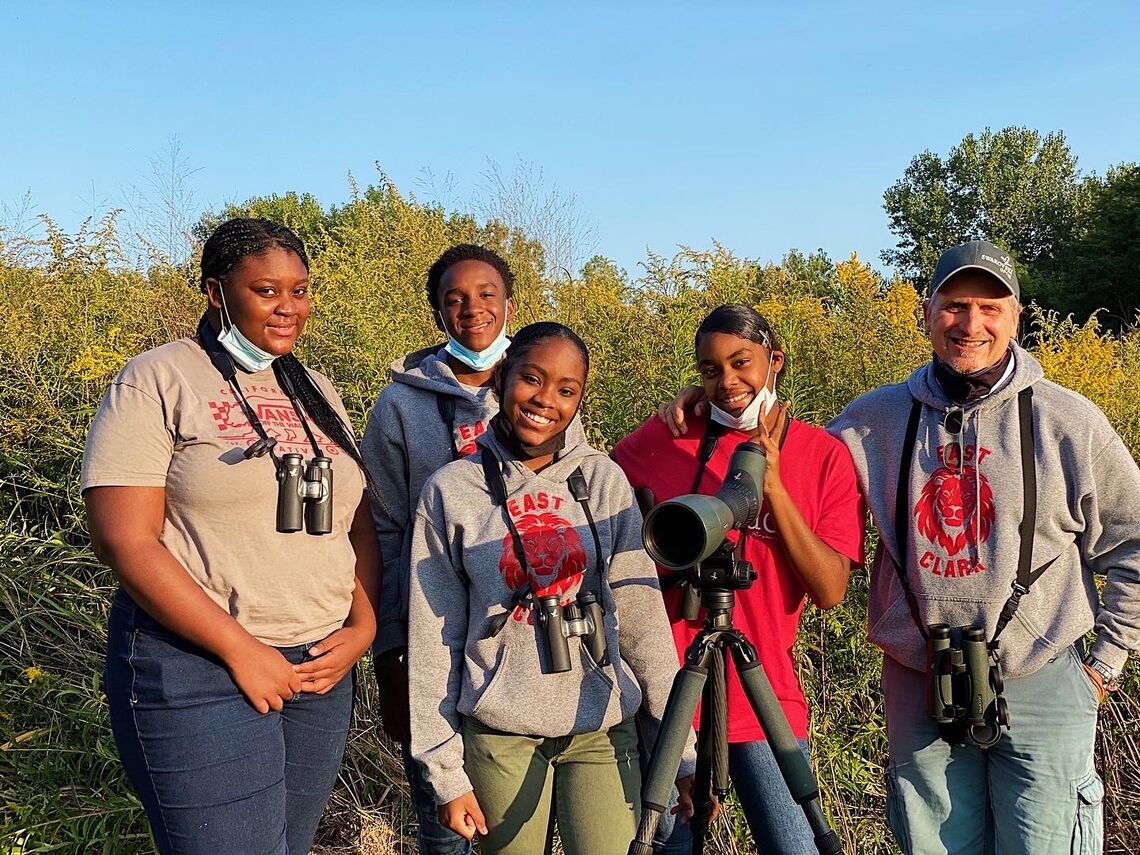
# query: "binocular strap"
{"points": [[446, 406], [497, 485], [1026, 575]]}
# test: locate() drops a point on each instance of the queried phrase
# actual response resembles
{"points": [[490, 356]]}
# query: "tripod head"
{"points": [[713, 583]]}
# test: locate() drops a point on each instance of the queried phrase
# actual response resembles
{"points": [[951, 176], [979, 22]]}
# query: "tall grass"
{"points": [[72, 312]]}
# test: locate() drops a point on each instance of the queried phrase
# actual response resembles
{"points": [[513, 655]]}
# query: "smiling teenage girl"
{"points": [[229, 642], [807, 535], [512, 719]]}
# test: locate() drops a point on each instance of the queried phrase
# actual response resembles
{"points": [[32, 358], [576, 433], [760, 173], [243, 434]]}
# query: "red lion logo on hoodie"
{"points": [[553, 551], [955, 509]]}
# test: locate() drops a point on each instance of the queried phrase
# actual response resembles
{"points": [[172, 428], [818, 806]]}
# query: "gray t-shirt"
{"points": [[170, 420]]}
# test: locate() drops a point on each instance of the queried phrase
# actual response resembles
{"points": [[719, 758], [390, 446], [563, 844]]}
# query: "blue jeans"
{"points": [[432, 837], [214, 775], [777, 823], [1035, 792]]}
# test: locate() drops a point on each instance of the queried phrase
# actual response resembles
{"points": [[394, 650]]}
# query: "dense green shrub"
{"points": [[72, 312]]}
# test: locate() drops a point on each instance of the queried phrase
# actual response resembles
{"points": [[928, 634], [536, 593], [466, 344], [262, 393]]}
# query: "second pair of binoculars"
{"points": [[304, 494], [579, 619], [965, 682]]}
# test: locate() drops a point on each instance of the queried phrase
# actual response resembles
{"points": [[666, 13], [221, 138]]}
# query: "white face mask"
{"points": [[480, 360], [244, 352], [749, 419]]}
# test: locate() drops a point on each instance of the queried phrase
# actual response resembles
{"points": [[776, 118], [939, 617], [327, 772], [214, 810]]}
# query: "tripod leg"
{"points": [[712, 751], [794, 768], [666, 757]]}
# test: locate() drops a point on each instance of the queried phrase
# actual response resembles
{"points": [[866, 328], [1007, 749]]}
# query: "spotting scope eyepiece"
{"points": [[683, 532]]}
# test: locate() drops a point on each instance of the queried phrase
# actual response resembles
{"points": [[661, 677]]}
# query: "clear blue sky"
{"points": [[762, 126]]}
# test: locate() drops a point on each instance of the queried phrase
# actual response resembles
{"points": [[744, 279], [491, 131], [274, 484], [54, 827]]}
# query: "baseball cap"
{"points": [[976, 255]]}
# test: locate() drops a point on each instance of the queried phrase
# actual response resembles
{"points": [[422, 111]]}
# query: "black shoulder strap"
{"points": [[580, 490], [494, 477], [902, 507], [498, 487], [713, 431], [446, 406], [224, 363], [1026, 575]]}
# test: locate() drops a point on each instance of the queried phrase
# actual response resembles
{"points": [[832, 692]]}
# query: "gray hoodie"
{"points": [[962, 554], [404, 442], [464, 573]]}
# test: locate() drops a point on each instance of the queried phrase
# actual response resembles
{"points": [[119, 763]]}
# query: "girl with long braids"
{"points": [[226, 493], [536, 628]]}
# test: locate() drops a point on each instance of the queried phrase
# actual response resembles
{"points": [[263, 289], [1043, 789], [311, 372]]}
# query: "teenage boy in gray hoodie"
{"points": [[438, 402], [1004, 479], [508, 733]]}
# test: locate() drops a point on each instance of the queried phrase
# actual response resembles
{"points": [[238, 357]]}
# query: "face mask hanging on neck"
{"points": [[244, 352], [749, 419], [480, 360]]}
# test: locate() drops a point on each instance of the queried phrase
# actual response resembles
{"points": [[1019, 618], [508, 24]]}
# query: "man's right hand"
{"points": [[392, 679], [463, 815], [265, 677], [673, 412]]}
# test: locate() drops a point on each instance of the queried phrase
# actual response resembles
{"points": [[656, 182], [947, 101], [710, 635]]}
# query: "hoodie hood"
{"points": [[428, 369], [566, 461], [924, 386]]}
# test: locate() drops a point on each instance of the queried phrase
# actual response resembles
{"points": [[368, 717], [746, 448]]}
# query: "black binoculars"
{"points": [[582, 618], [304, 494], [964, 683]]}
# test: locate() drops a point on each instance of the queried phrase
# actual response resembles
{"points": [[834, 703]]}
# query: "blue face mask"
{"points": [[479, 360], [244, 352]]}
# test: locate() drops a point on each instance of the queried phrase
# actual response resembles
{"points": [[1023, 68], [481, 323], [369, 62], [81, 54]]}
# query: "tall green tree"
{"points": [[1099, 267], [1015, 187]]}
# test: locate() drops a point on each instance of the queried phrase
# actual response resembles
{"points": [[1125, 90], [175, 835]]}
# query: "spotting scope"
{"points": [[683, 532]]}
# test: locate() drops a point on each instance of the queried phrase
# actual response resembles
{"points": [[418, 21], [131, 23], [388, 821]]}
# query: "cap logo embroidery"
{"points": [[1004, 264]]}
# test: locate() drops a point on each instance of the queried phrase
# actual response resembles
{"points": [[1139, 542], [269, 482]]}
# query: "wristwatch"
{"points": [[1109, 676]]}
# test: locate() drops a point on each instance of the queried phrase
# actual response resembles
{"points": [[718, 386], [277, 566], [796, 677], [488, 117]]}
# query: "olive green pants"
{"points": [[593, 780]]}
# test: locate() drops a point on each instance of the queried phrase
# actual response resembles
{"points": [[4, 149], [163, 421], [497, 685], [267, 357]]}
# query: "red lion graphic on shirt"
{"points": [[950, 513], [553, 551]]}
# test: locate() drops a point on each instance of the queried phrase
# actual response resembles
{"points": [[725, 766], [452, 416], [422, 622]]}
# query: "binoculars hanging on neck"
{"points": [[579, 619], [964, 684], [304, 494]]}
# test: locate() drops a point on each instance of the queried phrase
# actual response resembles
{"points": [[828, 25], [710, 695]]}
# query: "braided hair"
{"points": [[466, 252], [229, 245]]}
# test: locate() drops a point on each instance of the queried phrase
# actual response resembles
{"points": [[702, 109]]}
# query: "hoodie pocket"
{"points": [[592, 667], [495, 684]]}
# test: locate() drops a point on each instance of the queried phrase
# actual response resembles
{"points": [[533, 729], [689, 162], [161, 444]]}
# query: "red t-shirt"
{"points": [[819, 476]]}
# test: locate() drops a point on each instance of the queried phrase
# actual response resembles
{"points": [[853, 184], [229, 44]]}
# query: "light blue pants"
{"points": [[1035, 792]]}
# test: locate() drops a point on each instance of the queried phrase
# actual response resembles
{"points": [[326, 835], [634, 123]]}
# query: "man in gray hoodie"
{"points": [[996, 502]]}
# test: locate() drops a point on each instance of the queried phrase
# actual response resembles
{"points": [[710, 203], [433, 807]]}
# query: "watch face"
{"points": [[1110, 676]]}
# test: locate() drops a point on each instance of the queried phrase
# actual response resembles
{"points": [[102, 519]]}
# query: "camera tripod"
{"points": [[703, 678]]}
